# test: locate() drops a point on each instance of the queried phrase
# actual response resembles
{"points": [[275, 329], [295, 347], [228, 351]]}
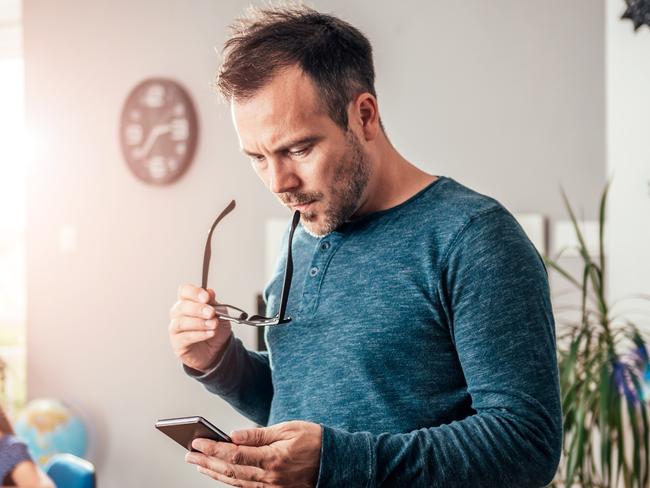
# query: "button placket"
{"points": [[320, 260]]}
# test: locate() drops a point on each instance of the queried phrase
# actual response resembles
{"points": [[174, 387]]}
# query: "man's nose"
{"points": [[282, 179]]}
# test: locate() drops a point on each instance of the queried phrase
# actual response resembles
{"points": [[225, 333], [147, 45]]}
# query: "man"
{"points": [[421, 350]]}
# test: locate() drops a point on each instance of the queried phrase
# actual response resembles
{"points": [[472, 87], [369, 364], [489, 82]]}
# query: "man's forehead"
{"points": [[287, 104]]}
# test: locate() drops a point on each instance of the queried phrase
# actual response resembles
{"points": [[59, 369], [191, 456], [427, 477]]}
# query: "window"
{"points": [[12, 211]]}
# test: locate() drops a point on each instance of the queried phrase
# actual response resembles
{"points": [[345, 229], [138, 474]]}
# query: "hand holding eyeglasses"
{"points": [[200, 326], [196, 335]]}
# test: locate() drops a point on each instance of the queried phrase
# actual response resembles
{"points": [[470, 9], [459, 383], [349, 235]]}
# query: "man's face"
{"points": [[299, 152]]}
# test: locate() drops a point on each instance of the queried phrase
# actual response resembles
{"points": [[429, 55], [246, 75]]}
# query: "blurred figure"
{"points": [[16, 466]]}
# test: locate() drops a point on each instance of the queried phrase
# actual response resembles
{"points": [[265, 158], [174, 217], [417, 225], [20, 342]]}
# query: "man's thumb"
{"points": [[251, 437]]}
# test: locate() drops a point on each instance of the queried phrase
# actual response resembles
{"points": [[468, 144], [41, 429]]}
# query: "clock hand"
{"points": [[155, 133]]}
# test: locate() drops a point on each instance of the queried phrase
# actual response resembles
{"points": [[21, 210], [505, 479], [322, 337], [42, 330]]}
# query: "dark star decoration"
{"points": [[638, 11]]}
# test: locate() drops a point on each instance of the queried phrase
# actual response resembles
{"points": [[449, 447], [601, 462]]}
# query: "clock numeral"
{"points": [[180, 129], [157, 167], [133, 134], [154, 97], [181, 148], [179, 109]]}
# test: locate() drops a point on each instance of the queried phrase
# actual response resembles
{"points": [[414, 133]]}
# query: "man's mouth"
{"points": [[301, 207]]}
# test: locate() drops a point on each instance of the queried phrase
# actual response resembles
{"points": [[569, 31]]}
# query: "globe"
{"points": [[49, 427]]}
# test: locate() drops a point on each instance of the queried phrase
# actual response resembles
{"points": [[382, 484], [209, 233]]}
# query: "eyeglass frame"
{"points": [[244, 318]]}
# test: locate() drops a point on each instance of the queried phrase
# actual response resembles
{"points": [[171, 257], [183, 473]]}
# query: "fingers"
{"points": [[291, 463], [259, 457], [230, 481], [194, 301], [185, 323], [263, 436], [194, 293], [186, 331], [251, 437], [233, 474], [189, 308]]}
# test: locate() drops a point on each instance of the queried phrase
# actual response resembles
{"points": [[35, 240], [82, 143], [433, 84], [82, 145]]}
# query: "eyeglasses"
{"points": [[236, 314]]}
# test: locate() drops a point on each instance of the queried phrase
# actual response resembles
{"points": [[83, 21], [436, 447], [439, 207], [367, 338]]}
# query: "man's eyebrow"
{"points": [[285, 147], [247, 152]]}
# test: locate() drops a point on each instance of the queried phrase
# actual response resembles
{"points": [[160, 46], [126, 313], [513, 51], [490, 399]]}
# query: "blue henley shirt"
{"points": [[422, 339]]}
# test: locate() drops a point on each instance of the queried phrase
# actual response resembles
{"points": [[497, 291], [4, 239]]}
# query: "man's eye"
{"points": [[258, 158], [299, 152]]}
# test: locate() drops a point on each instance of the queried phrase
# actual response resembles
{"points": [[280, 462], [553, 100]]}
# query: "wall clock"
{"points": [[158, 131]]}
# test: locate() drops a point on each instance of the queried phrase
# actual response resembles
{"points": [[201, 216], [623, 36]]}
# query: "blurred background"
{"points": [[511, 98]]}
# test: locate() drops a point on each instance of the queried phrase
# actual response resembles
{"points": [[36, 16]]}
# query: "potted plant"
{"points": [[602, 361]]}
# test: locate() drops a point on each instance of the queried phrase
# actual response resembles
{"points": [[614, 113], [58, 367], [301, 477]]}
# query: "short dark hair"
{"points": [[336, 55]]}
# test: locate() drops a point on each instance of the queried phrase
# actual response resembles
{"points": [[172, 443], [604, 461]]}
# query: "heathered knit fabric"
{"points": [[422, 339]]}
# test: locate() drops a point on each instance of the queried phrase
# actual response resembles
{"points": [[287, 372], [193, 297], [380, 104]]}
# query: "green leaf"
{"points": [[562, 271], [644, 433], [604, 419], [620, 443], [582, 247], [568, 362], [601, 225], [585, 284], [595, 272], [577, 446], [634, 428]]}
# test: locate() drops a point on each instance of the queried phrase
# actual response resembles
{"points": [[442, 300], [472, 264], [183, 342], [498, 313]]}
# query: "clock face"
{"points": [[158, 131]]}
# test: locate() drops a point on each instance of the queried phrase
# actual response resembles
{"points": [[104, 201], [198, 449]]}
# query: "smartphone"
{"points": [[185, 429]]}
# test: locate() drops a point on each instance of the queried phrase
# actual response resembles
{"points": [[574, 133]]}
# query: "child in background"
{"points": [[16, 465]]}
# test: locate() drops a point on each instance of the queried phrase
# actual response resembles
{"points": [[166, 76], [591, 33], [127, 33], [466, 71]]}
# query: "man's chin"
{"points": [[312, 226]]}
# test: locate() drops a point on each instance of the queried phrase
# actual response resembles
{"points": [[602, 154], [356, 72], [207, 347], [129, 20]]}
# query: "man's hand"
{"points": [[196, 335], [283, 455]]}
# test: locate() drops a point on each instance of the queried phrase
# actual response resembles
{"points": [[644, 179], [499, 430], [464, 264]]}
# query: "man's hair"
{"points": [[336, 55]]}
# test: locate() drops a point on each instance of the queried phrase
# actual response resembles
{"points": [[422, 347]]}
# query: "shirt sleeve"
{"points": [[12, 452], [494, 292], [242, 378]]}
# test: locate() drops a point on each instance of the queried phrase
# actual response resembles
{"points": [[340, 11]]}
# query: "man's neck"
{"points": [[393, 181]]}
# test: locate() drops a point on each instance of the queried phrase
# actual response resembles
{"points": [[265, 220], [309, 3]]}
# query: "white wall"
{"points": [[504, 96], [628, 162]]}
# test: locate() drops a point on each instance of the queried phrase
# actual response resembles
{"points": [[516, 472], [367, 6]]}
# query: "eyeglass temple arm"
{"points": [[207, 253], [288, 272]]}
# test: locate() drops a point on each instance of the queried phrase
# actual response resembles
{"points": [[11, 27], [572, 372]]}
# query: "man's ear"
{"points": [[364, 113]]}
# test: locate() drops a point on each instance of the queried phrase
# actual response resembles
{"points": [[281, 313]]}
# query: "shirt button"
{"points": [[313, 271], [325, 246]]}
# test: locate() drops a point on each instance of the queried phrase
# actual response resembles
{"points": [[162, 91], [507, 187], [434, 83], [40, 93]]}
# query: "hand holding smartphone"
{"points": [[185, 429]]}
